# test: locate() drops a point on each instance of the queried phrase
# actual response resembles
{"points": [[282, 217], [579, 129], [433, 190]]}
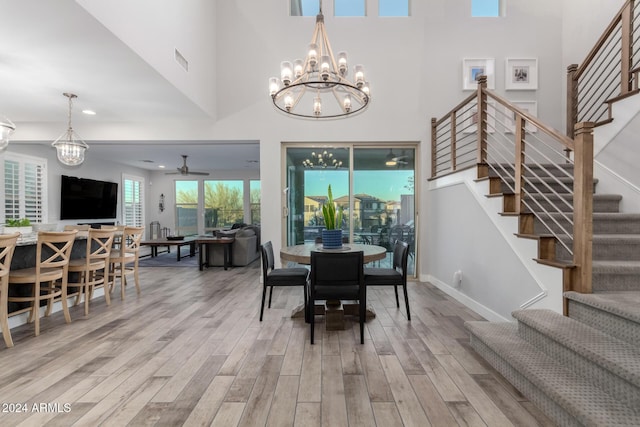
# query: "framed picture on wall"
{"points": [[530, 107], [521, 74], [472, 69]]}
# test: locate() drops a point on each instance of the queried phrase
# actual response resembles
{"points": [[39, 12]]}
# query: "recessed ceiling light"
{"points": [[161, 166], [89, 112]]}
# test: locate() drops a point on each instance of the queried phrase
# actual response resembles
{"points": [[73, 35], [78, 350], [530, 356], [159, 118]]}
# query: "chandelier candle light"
{"points": [[318, 87], [69, 147]]}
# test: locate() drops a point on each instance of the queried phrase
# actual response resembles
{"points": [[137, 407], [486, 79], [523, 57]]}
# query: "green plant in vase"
{"points": [[21, 222], [332, 234], [21, 225]]}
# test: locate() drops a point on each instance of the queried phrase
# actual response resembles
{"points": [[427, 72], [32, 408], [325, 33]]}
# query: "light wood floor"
{"points": [[191, 351]]}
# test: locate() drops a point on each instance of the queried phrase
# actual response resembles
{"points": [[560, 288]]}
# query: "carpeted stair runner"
{"points": [[583, 369], [567, 397]]}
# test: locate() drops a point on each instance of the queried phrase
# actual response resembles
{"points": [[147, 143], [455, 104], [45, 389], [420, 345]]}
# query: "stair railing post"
{"points": [[572, 100], [433, 147], [626, 60], [481, 123], [583, 207], [454, 150], [519, 162]]}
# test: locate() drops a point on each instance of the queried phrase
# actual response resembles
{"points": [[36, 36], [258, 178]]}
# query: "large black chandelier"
{"points": [[318, 87]]}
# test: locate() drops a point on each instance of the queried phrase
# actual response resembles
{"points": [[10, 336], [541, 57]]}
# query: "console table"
{"points": [[204, 242]]}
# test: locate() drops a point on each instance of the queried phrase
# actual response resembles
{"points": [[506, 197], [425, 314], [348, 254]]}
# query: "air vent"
{"points": [[181, 60]]}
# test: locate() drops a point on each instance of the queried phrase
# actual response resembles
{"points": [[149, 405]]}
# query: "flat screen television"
{"points": [[82, 198]]}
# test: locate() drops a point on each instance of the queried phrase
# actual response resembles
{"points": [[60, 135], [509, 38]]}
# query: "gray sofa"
{"points": [[244, 250]]}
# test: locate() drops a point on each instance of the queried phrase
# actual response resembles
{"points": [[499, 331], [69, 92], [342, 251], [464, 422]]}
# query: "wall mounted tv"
{"points": [[82, 198]]}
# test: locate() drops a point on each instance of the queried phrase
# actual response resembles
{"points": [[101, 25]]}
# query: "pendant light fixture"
{"points": [[317, 87], [6, 129], [69, 147]]}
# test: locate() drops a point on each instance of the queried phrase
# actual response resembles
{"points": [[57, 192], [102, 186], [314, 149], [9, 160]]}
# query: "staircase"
{"points": [[583, 369]]}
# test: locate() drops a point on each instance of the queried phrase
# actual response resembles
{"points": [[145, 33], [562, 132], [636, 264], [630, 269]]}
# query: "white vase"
{"points": [[21, 230]]}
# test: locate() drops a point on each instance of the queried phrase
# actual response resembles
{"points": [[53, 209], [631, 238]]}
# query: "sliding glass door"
{"points": [[310, 171], [375, 185]]}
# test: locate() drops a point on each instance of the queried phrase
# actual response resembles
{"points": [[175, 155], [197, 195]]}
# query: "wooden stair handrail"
{"points": [[626, 78], [601, 41], [560, 137]]}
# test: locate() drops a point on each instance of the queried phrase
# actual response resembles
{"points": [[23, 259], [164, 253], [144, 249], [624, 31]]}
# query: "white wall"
{"points": [[155, 29]]}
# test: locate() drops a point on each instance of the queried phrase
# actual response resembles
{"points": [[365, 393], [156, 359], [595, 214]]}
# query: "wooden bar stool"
{"points": [[7, 246], [124, 259], [53, 250], [92, 270]]}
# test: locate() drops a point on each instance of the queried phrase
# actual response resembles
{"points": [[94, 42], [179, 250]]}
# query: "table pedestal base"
{"points": [[335, 315]]}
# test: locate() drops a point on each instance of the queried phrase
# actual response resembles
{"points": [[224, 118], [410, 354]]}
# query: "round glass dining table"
{"points": [[301, 254]]}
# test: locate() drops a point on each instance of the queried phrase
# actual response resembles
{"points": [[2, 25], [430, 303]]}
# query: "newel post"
{"points": [[583, 207], [626, 52], [572, 99], [481, 120]]}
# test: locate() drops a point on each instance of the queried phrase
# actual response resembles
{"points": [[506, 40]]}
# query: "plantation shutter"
{"points": [[133, 197], [25, 188]]}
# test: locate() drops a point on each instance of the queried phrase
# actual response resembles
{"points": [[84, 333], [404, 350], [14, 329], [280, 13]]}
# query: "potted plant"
{"points": [[332, 234], [22, 226]]}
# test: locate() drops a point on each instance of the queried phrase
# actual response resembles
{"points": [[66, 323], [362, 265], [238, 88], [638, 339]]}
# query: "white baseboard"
{"points": [[474, 305]]}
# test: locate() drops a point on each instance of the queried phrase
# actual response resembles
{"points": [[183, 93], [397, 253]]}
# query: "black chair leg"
{"points": [[406, 301], [306, 306], [270, 293], [264, 293], [312, 318], [395, 288], [363, 314]]}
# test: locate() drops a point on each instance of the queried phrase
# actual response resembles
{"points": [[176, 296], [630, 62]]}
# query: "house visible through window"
{"points": [[485, 8], [132, 201], [25, 188]]}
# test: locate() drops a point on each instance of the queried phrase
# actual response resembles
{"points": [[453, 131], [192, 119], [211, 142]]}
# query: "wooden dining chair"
{"points": [[53, 250], [295, 276], [124, 259], [7, 247], [91, 272], [337, 276], [394, 276]]}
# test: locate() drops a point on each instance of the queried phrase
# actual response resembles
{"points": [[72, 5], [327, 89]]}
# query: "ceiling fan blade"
{"points": [[197, 173]]}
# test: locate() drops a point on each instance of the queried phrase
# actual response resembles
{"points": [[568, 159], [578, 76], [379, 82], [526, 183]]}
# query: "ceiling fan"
{"points": [[184, 169], [393, 160], [402, 158]]}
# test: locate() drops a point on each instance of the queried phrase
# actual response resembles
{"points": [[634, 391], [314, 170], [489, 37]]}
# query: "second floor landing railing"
{"points": [[608, 73], [529, 158]]}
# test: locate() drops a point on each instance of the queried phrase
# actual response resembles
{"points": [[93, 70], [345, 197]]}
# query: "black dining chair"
{"points": [[337, 276], [271, 277], [394, 276]]}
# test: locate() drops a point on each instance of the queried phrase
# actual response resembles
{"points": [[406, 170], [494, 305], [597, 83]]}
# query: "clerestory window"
{"points": [[485, 8]]}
